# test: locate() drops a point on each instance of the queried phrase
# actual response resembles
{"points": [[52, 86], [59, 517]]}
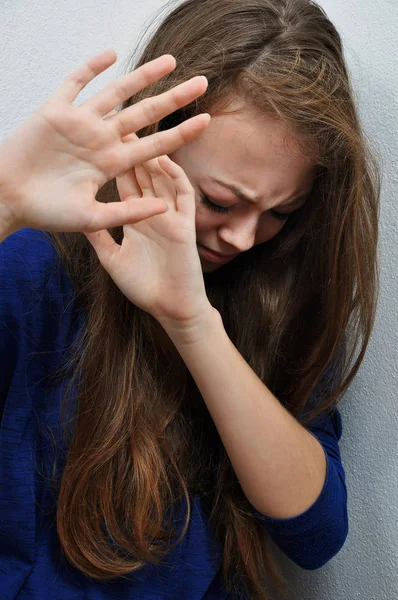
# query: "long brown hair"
{"points": [[299, 308]]}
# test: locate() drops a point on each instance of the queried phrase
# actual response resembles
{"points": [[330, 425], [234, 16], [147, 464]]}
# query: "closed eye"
{"points": [[214, 207], [224, 210]]}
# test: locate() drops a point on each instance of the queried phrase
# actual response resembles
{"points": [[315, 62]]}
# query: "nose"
{"points": [[240, 234]]}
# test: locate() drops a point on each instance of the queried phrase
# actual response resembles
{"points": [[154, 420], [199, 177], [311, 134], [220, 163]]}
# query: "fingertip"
{"points": [[196, 125], [160, 208], [112, 51], [109, 55], [171, 61], [205, 80], [206, 117], [202, 120], [156, 207], [164, 159], [164, 208]]}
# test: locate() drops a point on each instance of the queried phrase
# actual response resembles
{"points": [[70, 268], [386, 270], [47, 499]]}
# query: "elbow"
{"points": [[320, 559]]}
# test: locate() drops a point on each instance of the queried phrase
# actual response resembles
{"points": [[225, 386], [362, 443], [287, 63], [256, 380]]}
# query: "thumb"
{"points": [[116, 214], [105, 247]]}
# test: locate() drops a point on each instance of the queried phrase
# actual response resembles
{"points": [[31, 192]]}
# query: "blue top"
{"points": [[37, 324]]}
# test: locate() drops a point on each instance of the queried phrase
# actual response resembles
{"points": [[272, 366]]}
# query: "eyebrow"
{"points": [[242, 196]]}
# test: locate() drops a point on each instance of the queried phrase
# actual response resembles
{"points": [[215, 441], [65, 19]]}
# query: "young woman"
{"points": [[170, 387]]}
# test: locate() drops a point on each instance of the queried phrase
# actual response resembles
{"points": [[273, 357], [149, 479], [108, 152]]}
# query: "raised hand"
{"points": [[157, 265], [53, 165]]}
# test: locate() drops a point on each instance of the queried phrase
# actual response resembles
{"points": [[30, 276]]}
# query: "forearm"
{"points": [[280, 465]]}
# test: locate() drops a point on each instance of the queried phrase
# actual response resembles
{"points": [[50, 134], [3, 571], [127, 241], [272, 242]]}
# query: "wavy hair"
{"points": [[299, 308]]}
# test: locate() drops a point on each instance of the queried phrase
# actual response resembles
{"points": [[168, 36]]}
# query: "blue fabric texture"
{"points": [[38, 323]]}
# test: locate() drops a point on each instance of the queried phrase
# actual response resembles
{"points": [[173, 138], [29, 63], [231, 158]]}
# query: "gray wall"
{"points": [[42, 42]]}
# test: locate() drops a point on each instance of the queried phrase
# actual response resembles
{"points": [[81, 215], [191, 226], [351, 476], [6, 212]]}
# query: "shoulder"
{"points": [[38, 306], [27, 252], [37, 316], [329, 423], [30, 270]]}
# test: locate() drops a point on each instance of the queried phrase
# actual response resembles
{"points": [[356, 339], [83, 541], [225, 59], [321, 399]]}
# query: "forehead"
{"points": [[253, 151]]}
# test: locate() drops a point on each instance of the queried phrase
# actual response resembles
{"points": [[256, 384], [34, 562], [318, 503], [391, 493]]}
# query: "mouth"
{"points": [[215, 257]]}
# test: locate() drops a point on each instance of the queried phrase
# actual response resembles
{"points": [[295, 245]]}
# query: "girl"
{"points": [[170, 386]]}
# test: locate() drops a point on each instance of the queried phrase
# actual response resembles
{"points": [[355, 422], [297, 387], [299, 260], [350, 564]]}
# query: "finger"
{"points": [[122, 89], [130, 211], [105, 247], [78, 80], [185, 193], [152, 110], [127, 185], [162, 184], [144, 180], [164, 142], [127, 138]]}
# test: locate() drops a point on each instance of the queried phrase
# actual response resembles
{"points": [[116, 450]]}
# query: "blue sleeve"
{"points": [[13, 306], [312, 538], [34, 294]]}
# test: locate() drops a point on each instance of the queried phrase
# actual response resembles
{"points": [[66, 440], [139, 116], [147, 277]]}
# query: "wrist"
{"points": [[193, 331]]}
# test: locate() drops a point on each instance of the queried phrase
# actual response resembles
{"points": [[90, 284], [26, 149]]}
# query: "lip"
{"points": [[215, 257]]}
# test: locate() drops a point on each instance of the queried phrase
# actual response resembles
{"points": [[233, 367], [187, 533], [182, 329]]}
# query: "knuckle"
{"points": [[57, 114], [82, 75], [158, 145], [117, 89], [122, 89], [149, 110], [181, 135], [79, 79], [50, 110], [177, 97], [88, 70]]}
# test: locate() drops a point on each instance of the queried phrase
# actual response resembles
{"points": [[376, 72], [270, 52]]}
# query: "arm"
{"points": [[280, 465], [54, 163]]}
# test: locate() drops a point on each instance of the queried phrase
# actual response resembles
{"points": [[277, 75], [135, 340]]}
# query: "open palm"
{"points": [[157, 265], [54, 164]]}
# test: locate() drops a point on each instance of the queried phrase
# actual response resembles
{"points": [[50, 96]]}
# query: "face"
{"points": [[249, 176]]}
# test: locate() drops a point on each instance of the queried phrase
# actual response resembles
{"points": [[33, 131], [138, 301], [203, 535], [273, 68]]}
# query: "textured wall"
{"points": [[42, 42]]}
